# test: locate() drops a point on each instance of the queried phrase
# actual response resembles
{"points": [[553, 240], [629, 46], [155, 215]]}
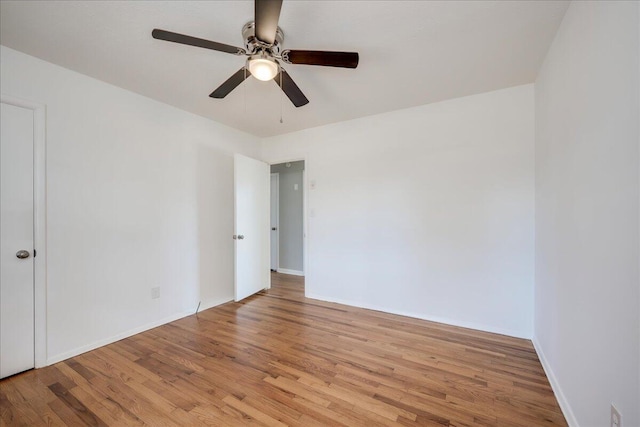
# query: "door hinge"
{"points": [[34, 253]]}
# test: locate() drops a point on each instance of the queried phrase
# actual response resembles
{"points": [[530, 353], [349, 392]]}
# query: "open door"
{"points": [[275, 244], [17, 324], [252, 211]]}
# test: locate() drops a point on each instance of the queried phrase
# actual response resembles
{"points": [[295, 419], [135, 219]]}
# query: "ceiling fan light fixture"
{"points": [[262, 67]]}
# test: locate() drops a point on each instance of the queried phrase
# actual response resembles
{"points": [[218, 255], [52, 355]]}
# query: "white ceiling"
{"points": [[411, 52]]}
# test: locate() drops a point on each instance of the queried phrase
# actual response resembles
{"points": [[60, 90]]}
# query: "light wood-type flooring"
{"points": [[279, 359]]}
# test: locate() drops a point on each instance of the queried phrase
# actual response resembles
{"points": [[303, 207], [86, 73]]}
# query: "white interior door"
{"points": [[252, 210], [275, 183], [16, 240]]}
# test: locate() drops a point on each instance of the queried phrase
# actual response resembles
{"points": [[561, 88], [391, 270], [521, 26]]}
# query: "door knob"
{"points": [[274, 228], [240, 237], [22, 254]]}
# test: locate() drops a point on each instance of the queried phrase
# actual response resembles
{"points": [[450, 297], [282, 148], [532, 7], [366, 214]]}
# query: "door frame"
{"points": [[305, 231], [277, 201], [39, 224]]}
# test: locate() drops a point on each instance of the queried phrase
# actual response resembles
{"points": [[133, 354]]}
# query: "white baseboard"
{"points": [[292, 272], [101, 343], [210, 303], [555, 385], [446, 321]]}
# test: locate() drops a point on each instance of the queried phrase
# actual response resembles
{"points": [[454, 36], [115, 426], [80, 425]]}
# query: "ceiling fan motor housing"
{"points": [[253, 45]]}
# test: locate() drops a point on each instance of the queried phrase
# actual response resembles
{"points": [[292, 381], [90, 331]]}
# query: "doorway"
{"points": [[287, 217]]}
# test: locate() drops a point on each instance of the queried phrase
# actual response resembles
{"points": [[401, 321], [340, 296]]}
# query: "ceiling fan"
{"points": [[263, 46]]}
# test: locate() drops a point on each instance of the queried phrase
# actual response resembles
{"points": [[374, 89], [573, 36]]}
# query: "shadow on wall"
{"points": [[214, 183]]}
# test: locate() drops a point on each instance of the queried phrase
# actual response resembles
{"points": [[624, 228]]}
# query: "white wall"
{"points": [[426, 211], [587, 284], [140, 195]]}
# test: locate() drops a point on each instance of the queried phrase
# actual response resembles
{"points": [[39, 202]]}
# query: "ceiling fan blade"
{"points": [[267, 13], [232, 82], [194, 41], [290, 88], [319, 57]]}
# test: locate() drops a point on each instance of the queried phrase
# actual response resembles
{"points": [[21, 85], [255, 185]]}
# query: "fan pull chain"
{"points": [[281, 95], [244, 91]]}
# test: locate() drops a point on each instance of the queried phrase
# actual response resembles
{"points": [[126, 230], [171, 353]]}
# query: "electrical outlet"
{"points": [[155, 292], [616, 418]]}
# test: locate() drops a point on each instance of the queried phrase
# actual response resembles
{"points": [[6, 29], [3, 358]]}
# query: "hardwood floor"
{"points": [[280, 359]]}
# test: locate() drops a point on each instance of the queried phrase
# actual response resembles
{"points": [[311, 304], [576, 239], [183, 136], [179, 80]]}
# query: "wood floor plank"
{"points": [[278, 358], [78, 408], [39, 398], [16, 409]]}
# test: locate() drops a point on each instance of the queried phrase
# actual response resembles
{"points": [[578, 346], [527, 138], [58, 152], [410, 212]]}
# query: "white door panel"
{"points": [[252, 182], [16, 233], [275, 182]]}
